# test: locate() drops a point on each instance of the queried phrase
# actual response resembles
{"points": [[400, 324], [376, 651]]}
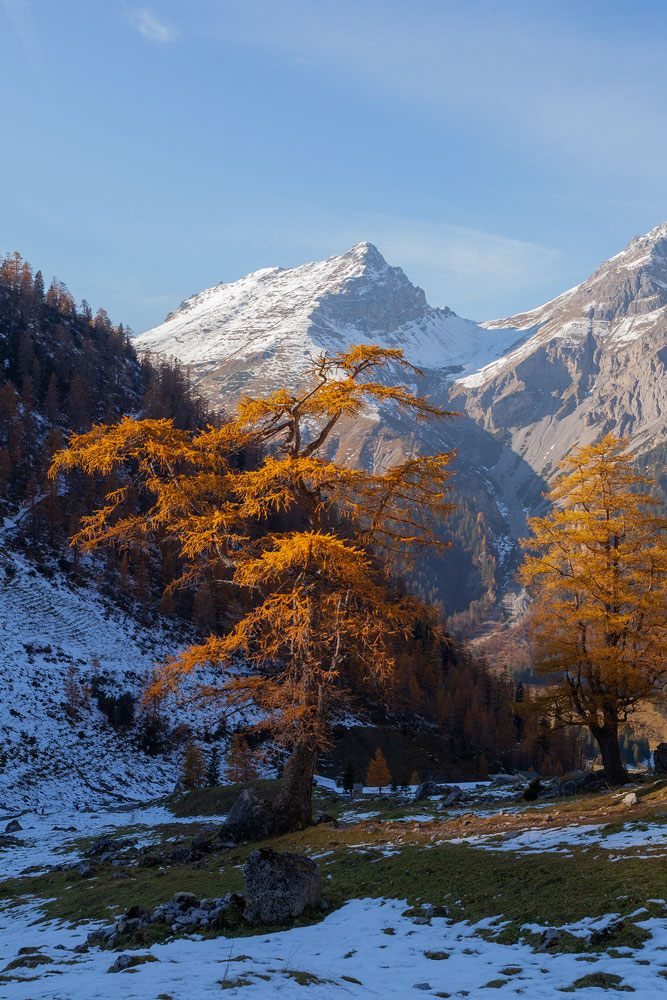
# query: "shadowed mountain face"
{"points": [[529, 387]]}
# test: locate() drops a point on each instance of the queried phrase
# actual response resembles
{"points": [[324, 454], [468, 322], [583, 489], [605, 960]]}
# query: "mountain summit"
{"points": [[259, 330]]}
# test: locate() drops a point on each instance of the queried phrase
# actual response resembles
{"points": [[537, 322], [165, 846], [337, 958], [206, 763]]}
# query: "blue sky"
{"points": [[497, 151]]}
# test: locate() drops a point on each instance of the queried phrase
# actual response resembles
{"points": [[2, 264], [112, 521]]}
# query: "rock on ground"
{"points": [[250, 818], [279, 886], [426, 789], [590, 781]]}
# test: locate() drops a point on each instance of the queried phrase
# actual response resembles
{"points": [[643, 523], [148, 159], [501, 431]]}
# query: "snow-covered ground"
{"points": [[365, 949], [50, 838], [649, 838], [49, 627]]}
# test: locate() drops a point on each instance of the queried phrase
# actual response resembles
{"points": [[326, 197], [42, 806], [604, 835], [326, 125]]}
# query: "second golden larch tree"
{"points": [[596, 567]]}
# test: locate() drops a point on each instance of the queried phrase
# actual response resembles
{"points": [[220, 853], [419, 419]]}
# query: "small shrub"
{"points": [[533, 791]]}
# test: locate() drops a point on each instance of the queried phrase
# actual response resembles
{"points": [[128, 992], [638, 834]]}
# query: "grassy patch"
{"points": [[28, 962], [305, 978], [460, 881], [218, 800], [231, 984], [602, 980]]}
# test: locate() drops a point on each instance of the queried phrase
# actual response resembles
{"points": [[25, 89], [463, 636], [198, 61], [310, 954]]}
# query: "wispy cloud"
{"points": [[151, 26]]}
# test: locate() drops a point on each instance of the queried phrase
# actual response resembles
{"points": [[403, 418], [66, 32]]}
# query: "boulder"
{"points": [[99, 934], [630, 799], [499, 780], [180, 856], [250, 818], [588, 782], [13, 826], [453, 795], [202, 845], [148, 861], [660, 758], [279, 886], [123, 962], [184, 900], [551, 936], [326, 818], [426, 789], [109, 848]]}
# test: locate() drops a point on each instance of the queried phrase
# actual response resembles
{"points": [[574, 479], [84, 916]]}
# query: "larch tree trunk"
{"points": [[292, 807], [607, 740]]}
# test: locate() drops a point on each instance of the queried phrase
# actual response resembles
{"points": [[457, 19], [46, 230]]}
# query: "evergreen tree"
{"points": [[349, 524], [213, 770], [73, 696], [241, 765], [597, 567], [348, 777], [38, 286]]}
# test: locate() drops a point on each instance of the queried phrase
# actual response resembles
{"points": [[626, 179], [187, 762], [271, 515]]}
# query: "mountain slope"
{"points": [[595, 360], [52, 634]]}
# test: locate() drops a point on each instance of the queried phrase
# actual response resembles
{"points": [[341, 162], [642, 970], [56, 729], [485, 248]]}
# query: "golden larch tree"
{"points": [[378, 775], [240, 764], [194, 766], [596, 567], [324, 608]]}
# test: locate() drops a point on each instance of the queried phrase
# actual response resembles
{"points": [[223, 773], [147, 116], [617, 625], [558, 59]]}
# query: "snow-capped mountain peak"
{"points": [[262, 327]]}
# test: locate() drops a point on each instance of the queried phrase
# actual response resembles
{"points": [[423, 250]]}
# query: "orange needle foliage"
{"points": [[597, 566], [324, 610]]}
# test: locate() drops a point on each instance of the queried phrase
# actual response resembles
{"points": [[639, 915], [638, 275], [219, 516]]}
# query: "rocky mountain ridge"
{"points": [[594, 360]]}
